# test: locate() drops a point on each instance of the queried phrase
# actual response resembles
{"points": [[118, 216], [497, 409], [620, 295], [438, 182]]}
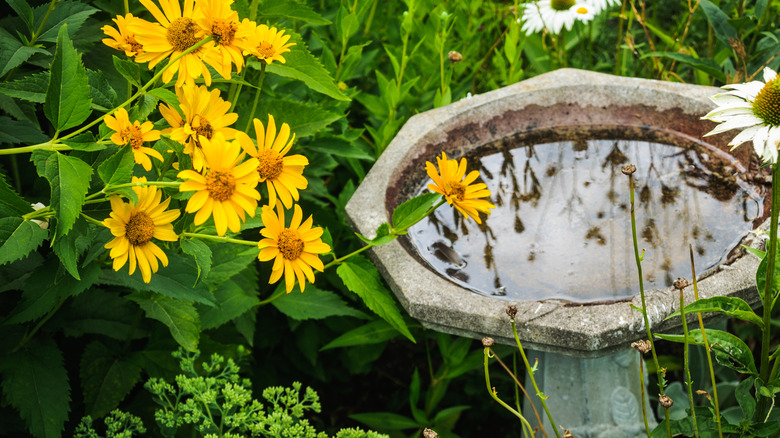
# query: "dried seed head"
{"points": [[487, 342], [454, 57], [642, 345], [628, 169], [665, 400], [511, 311], [680, 283], [430, 433], [567, 433], [704, 393]]}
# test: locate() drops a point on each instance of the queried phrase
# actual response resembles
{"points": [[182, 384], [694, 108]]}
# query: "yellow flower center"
{"points": [[290, 244], [562, 5], [265, 50], [181, 34], [220, 185], [582, 10], [457, 190], [766, 106], [271, 164], [136, 136], [135, 46], [204, 128], [223, 31], [139, 229]]}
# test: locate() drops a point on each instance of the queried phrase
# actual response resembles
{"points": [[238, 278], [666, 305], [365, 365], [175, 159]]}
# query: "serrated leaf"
{"points": [[84, 142], [70, 13], [36, 383], [69, 181], [100, 89], [730, 351], [228, 260], [386, 421], [20, 131], [102, 313], [18, 238], [303, 66], [180, 317], [25, 12], [202, 254], [68, 102], [411, 211], [342, 148], [372, 333], [11, 204], [232, 302], [70, 247], [117, 169], [129, 70], [31, 88], [366, 285], [730, 306], [107, 377], [165, 95], [292, 10], [724, 31], [314, 303], [13, 52], [304, 119]]}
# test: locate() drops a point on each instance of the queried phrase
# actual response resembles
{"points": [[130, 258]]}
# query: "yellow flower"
{"points": [[283, 175], [122, 39], [205, 114], [135, 224], [175, 32], [293, 249], [221, 23], [225, 189], [136, 134], [457, 190], [266, 44]]}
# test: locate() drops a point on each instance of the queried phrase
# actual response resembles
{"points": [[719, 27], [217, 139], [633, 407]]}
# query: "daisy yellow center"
{"points": [[290, 244], [220, 185], [582, 10], [562, 5], [139, 229], [271, 164], [135, 46], [266, 50], [457, 190], [204, 128], [181, 34], [223, 31], [136, 136], [766, 106]]}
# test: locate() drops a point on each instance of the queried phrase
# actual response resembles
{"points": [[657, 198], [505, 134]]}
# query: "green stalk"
{"points": [[686, 362], [218, 238], [642, 393], [38, 31], [249, 120], [494, 395], [638, 259], [619, 49], [706, 345]]}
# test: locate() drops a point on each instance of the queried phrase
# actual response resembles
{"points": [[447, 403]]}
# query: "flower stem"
{"points": [[686, 362], [642, 393], [494, 395], [218, 238], [257, 96]]}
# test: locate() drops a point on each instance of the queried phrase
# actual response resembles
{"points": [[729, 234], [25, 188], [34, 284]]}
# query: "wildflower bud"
{"points": [[487, 342], [567, 433], [342, 86], [665, 400], [511, 311], [628, 169], [430, 433], [454, 57], [642, 346], [704, 393], [680, 283]]}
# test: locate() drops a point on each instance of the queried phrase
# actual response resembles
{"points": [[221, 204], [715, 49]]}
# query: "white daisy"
{"points": [[753, 107], [554, 15]]}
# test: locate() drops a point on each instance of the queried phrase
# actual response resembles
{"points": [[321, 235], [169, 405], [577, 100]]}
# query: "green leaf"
{"points": [[232, 302], [13, 52], [411, 211], [228, 260], [71, 246], [289, 9], [180, 317], [107, 377], [745, 400], [729, 306], [303, 66], [165, 95], [724, 31], [202, 254], [314, 303], [20, 131], [69, 181], [24, 11], [730, 351], [382, 235], [102, 313], [11, 204], [68, 102], [706, 65], [31, 87], [386, 421], [129, 70], [36, 383], [18, 238], [446, 415], [372, 333], [305, 119], [363, 280], [761, 277], [117, 169], [342, 148], [174, 281], [70, 13], [84, 142], [100, 89]]}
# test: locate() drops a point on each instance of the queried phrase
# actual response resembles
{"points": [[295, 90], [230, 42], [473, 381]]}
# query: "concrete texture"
{"points": [[624, 106]]}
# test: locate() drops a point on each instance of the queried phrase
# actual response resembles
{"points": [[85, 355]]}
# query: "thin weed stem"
{"points": [[686, 362], [257, 97], [642, 393], [218, 238], [520, 387], [492, 391]]}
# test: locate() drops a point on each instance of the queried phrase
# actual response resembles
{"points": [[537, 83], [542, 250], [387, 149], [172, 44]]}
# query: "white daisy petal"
{"points": [[741, 121], [723, 113], [759, 140], [770, 150], [746, 135], [726, 99], [769, 74], [750, 89]]}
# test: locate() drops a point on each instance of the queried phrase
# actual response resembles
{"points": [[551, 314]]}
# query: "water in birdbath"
{"points": [[561, 227]]}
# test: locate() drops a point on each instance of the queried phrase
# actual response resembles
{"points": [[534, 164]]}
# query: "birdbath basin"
{"points": [[558, 246]]}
